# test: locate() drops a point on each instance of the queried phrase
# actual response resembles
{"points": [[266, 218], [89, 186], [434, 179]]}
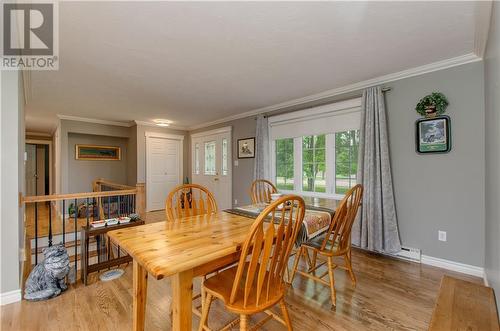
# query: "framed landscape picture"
{"points": [[433, 135], [246, 148], [96, 152]]}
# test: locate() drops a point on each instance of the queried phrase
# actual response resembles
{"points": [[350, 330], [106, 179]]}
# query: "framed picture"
{"points": [[96, 152], [246, 148], [433, 135]]}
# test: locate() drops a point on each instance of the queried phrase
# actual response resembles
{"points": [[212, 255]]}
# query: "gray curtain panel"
{"points": [[262, 157], [376, 227]]}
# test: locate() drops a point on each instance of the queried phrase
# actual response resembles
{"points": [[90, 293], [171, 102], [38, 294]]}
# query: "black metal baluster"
{"points": [[63, 221], [109, 206], [36, 233], [133, 203], [93, 208], [50, 223], [75, 241], [87, 211], [118, 198]]}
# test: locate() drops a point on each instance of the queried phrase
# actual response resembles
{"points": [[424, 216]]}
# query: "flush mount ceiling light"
{"points": [[162, 122]]}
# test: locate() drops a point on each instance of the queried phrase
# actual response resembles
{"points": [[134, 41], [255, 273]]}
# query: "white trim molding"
{"points": [[212, 132], [453, 266], [152, 134], [94, 120], [435, 66], [10, 297]]}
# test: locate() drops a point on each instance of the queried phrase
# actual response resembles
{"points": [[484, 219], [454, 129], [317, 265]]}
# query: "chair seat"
{"points": [[317, 242], [221, 286]]}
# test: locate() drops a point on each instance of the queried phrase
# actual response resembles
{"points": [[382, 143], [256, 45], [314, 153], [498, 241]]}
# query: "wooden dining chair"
{"points": [[256, 284], [261, 191], [189, 200], [335, 243]]}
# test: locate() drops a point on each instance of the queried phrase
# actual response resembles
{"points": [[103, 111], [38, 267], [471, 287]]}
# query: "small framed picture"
{"points": [[433, 135], [246, 148]]}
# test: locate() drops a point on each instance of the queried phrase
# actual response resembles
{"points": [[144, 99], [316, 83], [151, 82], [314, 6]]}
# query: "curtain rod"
{"points": [[384, 90]]}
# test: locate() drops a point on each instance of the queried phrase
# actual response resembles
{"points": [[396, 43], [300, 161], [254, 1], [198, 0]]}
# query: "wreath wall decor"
{"points": [[432, 105]]}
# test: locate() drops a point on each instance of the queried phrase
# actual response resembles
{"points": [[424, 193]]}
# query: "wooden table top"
{"points": [[322, 202], [463, 305], [167, 248]]}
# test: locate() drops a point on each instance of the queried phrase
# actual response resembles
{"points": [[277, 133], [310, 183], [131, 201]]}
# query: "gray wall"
{"points": [[11, 178], [433, 192], [243, 173], [81, 173], [67, 127], [492, 100], [441, 191]]}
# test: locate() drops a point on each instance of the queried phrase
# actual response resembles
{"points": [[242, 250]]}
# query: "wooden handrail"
{"points": [[68, 196], [102, 181]]}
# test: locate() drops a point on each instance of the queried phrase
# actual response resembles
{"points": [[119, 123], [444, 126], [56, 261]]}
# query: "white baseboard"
{"points": [[10, 297], [453, 266]]}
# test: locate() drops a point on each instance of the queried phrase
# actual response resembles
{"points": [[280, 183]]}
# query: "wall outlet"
{"points": [[442, 235], [235, 201]]}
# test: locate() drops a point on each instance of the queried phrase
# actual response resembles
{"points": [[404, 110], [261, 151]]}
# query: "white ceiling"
{"points": [[194, 63]]}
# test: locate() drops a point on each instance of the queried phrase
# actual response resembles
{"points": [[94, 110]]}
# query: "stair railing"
{"points": [[58, 217]]}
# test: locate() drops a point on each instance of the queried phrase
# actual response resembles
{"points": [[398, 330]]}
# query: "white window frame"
{"points": [[313, 121]]}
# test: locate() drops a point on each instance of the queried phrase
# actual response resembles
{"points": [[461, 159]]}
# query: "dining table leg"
{"points": [[182, 293], [140, 280]]}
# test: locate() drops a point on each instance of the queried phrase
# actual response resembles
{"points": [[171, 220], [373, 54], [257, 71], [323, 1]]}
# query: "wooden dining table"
{"points": [[184, 249]]}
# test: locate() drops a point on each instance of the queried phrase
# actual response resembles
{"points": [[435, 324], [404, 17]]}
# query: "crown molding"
{"points": [[173, 127], [435, 66], [95, 120], [482, 13]]}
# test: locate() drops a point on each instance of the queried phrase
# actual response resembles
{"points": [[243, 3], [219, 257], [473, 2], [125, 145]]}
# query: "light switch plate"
{"points": [[235, 163], [442, 235]]}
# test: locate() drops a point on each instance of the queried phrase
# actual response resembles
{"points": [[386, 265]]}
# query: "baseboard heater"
{"points": [[409, 253]]}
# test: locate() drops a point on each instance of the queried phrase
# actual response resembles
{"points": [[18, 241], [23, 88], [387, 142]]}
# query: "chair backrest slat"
{"points": [[266, 251], [261, 191], [189, 200], [339, 231]]}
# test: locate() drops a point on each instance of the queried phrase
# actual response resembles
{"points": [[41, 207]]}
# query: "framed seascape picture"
{"points": [[433, 135], [96, 152], [246, 148]]}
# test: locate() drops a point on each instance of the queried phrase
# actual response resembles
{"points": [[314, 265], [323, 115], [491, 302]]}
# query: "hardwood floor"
{"points": [[390, 295]]}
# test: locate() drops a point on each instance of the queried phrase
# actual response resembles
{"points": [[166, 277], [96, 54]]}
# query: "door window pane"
{"points": [[224, 157], [197, 158], [346, 160], [284, 164], [313, 163], [210, 158]]}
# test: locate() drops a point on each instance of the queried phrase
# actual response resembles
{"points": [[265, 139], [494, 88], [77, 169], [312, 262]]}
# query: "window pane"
{"points": [[313, 163], [210, 158], [224, 157], [346, 160], [284, 164], [197, 159]]}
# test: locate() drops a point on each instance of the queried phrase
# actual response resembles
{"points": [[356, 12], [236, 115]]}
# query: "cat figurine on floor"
{"points": [[47, 279]]}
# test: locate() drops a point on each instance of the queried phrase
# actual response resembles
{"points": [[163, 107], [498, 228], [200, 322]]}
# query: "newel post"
{"points": [[141, 200]]}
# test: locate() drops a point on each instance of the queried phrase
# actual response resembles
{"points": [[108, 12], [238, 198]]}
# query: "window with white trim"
{"points": [[197, 159], [224, 157], [210, 158], [315, 151]]}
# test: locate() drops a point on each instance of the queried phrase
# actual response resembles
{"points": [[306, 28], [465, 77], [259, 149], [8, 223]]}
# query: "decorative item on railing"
{"points": [[47, 279]]}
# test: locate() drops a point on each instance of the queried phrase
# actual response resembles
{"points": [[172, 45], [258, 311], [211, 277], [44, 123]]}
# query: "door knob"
{"points": [[216, 179]]}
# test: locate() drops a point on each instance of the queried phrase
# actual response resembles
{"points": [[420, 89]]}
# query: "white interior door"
{"points": [[211, 166], [163, 169]]}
